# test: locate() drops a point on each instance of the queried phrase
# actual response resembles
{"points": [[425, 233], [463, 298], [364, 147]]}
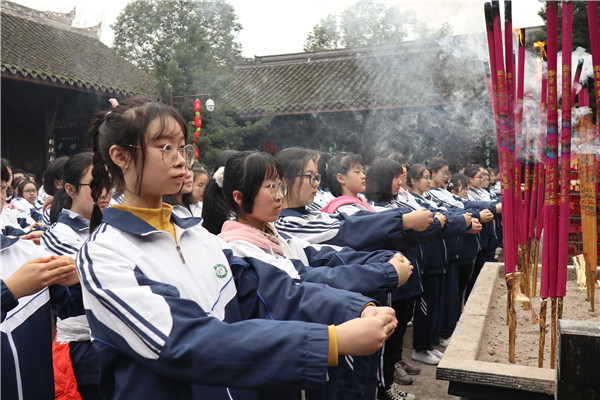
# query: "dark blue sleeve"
{"points": [[265, 291], [366, 230], [8, 300]]}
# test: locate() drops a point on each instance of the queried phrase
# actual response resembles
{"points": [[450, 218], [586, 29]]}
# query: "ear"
{"points": [[57, 184], [237, 197], [120, 157], [341, 179], [70, 190]]}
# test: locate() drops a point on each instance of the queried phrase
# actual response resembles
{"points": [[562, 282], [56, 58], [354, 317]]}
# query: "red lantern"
{"points": [[197, 153], [194, 140], [197, 105], [196, 133], [198, 121]]}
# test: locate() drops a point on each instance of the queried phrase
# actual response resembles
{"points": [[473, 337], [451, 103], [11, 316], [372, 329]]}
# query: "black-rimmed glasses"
{"points": [[276, 188], [313, 179], [170, 153]]}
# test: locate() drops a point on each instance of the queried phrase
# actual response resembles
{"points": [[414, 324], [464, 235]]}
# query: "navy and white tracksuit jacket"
{"points": [[65, 237], [168, 321], [26, 335]]}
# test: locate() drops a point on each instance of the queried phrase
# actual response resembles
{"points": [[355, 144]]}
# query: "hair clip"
{"points": [[113, 102]]}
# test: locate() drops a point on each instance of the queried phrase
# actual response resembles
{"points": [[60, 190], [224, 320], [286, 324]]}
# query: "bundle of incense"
{"points": [[550, 253]]}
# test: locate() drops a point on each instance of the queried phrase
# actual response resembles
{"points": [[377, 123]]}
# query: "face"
{"points": [[396, 183], [440, 177], [423, 184], [485, 179], [157, 179], [477, 180], [267, 204], [83, 204], [188, 181], [461, 192], [303, 193], [30, 192], [198, 187], [354, 181]]}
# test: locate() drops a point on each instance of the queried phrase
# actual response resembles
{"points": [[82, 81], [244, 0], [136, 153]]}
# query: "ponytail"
{"points": [[61, 200], [100, 177], [214, 208]]}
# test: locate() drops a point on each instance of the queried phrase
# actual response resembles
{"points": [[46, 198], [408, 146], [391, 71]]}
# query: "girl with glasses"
{"points": [[246, 178], [488, 236], [70, 214], [173, 313], [182, 201]]}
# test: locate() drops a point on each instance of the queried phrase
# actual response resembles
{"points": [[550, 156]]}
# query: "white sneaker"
{"points": [[436, 353], [444, 342], [425, 356]]}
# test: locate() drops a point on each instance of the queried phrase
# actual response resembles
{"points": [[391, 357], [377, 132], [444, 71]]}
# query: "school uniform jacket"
{"points": [[363, 230], [65, 237], [167, 319], [26, 338], [368, 273]]}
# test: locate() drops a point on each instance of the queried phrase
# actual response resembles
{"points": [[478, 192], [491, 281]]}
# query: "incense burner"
{"points": [[476, 379]]}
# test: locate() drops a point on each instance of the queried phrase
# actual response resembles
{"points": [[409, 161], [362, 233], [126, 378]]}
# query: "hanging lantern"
{"points": [[197, 105], [198, 120]]}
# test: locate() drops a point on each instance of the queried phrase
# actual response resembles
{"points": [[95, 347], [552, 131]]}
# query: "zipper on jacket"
{"points": [[180, 253]]}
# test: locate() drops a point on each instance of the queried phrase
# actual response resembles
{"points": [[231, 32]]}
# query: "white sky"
{"points": [[281, 26]]}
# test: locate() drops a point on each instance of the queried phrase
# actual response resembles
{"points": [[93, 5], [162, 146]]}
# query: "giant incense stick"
{"points": [[550, 253], [588, 193], [565, 153]]}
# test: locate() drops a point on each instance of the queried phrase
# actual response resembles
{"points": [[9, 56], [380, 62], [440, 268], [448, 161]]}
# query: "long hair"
{"points": [[124, 125], [52, 173], [380, 176], [245, 172], [415, 172]]}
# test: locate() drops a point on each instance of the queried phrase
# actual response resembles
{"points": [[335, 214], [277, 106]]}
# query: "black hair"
{"points": [[472, 169], [74, 170], [124, 125], [437, 163], [197, 170], [222, 158], [293, 161], [54, 172], [340, 164], [415, 172], [5, 173], [31, 176], [397, 156], [456, 182], [21, 186], [244, 171], [380, 176]]}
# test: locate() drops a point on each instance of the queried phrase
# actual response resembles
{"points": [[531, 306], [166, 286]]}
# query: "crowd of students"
{"points": [[292, 277]]}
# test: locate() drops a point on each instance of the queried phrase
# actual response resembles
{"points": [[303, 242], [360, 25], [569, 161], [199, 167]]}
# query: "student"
{"points": [[201, 178], [475, 176], [323, 195], [363, 230], [27, 190], [251, 187], [70, 213], [52, 183], [347, 180], [26, 347], [181, 200], [167, 318], [439, 170], [429, 310], [384, 181]]}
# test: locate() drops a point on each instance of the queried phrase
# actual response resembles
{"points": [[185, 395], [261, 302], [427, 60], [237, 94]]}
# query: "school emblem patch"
{"points": [[221, 270]]}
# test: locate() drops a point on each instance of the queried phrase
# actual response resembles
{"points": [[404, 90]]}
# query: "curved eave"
{"points": [[28, 75]]}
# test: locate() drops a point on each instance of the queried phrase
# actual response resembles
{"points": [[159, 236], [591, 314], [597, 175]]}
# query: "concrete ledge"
{"points": [[459, 363]]}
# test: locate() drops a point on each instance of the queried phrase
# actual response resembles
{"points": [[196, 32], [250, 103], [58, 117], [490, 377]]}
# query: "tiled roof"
{"points": [[33, 49], [410, 74]]}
